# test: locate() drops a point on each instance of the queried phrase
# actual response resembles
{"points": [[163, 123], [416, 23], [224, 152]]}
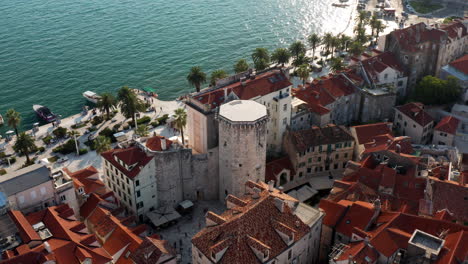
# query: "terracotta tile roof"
{"points": [[132, 156], [315, 136], [114, 234], [235, 200], [321, 93], [388, 142], [461, 64], [275, 167], [393, 232], [154, 143], [151, 250], [333, 212], [263, 84], [358, 215], [453, 28], [88, 178], [257, 220], [448, 124], [69, 240], [452, 196], [377, 64], [366, 133], [411, 38], [416, 112], [444, 214]]}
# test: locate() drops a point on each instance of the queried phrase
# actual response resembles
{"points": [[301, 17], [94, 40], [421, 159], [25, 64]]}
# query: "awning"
{"points": [[149, 89], [163, 215], [186, 204]]}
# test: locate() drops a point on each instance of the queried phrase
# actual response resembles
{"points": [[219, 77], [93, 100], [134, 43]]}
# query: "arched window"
{"points": [[283, 178]]}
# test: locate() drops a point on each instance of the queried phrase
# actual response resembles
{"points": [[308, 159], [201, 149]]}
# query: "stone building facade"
{"points": [[423, 50], [271, 88], [411, 120], [242, 145], [316, 150]]}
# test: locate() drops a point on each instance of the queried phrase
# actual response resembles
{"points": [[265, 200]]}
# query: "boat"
{"points": [[91, 96], [1, 120], [340, 5], [44, 113]]}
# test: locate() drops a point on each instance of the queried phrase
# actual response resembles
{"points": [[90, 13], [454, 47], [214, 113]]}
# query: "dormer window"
{"points": [[80, 190]]}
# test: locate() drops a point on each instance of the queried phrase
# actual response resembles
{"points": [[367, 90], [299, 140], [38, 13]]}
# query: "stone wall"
{"points": [[377, 107]]}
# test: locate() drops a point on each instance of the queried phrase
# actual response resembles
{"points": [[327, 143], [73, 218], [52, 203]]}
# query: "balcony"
{"points": [[280, 96]]}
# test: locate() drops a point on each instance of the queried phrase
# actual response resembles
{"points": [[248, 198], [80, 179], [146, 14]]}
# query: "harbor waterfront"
{"points": [[53, 51]]}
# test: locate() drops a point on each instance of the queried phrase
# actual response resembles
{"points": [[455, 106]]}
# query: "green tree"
{"points": [[302, 59], [180, 121], [344, 42], [356, 48], [217, 75], [142, 131], [336, 64], [196, 77], [335, 43], [241, 66], [25, 145], [432, 90], [102, 143], [281, 56], [303, 72], [130, 104], [297, 48], [106, 103], [261, 58], [13, 119], [314, 40], [373, 22], [327, 40], [379, 28]]}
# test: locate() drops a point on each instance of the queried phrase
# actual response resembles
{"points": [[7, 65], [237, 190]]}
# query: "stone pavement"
{"points": [[180, 234]]}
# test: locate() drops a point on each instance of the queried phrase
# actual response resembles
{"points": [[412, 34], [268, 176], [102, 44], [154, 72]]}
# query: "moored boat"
{"points": [[91, 96], [1, 120], [44, 113]]}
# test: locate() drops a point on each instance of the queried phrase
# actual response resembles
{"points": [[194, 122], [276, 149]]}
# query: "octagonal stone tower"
{"points": [[242, 145]]}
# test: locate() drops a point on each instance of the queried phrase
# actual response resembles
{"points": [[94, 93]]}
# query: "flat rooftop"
{"points": [[243, 111]]}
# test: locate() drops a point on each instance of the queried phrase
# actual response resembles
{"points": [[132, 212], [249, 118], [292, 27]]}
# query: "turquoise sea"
{"points": [[51, 51]]}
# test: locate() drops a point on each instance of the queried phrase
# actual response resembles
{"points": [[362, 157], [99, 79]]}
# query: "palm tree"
{"points": [[303, 72], [327, 40], [13, 119], [361, 18], [130, 104], [372, 23], [101, 144], [261, 58], [344, 40], [106, 103], [335, 43], [336, 64], [217, 75], [142, 130], [314, 41], [241, 66], [281, 56], [297, 48], [302, 59], [180, 121], [356, 48], [379, 27], [196, 77], [25, 144]]}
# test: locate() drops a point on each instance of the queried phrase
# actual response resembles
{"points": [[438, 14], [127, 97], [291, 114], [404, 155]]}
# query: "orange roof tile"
{"points": [[448, 124]]}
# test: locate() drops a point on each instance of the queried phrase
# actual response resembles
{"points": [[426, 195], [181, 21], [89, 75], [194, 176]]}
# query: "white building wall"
{"points": [[36, 198]]}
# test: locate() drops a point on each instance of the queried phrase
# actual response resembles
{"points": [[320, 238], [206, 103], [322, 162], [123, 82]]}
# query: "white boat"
{"points": [[91, 96], [1, 120]]}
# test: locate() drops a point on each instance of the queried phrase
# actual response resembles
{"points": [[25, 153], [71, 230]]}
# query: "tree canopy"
{"points": [[432, 90], [241, 66]]}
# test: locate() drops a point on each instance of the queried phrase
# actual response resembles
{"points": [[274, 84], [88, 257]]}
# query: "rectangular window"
{"points": [[43, 190], [137, 183], [309, 170], [33, 195], [285, 107], [346, 155], [289, 254], [21, 199], [63, 198], [319, 159], [285, 121], [309, 160], [138, 193]]}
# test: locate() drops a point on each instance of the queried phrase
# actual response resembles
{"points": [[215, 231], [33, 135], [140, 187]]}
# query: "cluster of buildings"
{"points": [[396, 192]]}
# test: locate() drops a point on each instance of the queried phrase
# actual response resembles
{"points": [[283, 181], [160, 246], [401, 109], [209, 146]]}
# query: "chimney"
{"points": [[256, 193], [280, 189], [225, 94], [271, 186], [398, 148], [163, 143], [47, 247]]}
